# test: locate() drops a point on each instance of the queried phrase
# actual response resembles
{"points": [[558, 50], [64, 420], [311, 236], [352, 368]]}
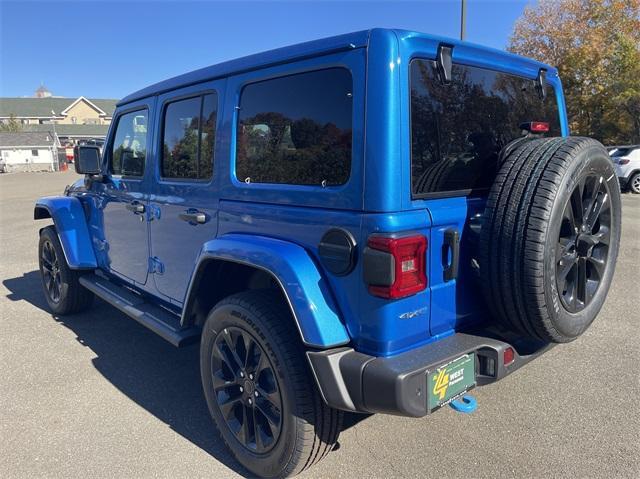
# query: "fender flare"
{"points": [[71, 225], [305, 289]]}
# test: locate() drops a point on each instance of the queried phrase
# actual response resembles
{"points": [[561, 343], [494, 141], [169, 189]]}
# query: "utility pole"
{"points": [[463, 19]]}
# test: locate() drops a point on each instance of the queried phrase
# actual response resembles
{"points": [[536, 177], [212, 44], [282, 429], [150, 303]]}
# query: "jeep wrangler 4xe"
{"points": [[375, 222]]}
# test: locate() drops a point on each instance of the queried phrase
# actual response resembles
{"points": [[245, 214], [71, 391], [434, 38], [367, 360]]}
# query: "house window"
{"points": [[34, 152]]}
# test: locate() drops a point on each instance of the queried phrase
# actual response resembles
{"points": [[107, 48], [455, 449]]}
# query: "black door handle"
{"points": [[193, 217], [451, 243], [135, 207]]}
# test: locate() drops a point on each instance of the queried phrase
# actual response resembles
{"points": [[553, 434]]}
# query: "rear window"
{"points": [[296, 129], [625, 151], [458, 129]]}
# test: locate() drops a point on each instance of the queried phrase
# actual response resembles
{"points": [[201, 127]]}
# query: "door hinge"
{"points": [[156, 266]]}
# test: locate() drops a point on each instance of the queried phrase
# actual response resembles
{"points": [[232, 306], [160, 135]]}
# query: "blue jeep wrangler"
{"points": [[375, 222]]}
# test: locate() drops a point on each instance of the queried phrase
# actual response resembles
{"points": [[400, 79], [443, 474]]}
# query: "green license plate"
{"points": [[451, 380]]}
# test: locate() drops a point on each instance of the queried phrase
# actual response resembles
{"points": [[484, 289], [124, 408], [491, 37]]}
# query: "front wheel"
{"points": [[259, 389], [61, 285]]}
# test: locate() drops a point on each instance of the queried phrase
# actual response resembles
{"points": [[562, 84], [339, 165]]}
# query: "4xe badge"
{"points": [[450, 380]]}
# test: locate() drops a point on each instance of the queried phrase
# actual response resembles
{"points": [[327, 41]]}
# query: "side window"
{"points": [[296, 129], [188, 138], [129, 147], [459, 129]]}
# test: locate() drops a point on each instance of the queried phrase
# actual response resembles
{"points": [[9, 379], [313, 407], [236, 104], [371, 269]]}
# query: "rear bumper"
{"points": [[353, 381]]}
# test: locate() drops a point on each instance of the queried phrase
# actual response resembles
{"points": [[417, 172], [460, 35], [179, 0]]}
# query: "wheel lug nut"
{"points": [[241, 374], [241, 389], [255, 393], [250, 401], [251, 376]]}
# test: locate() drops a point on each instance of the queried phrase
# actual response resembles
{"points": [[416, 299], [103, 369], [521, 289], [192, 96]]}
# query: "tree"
{"points": [[13, 126], [595, 45]]}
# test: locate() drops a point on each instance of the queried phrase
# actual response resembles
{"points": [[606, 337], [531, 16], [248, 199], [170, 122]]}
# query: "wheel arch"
{"points": [[237, 262], [71, 226]]}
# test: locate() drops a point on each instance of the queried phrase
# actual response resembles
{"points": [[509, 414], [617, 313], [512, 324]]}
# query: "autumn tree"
{"points": [[595, 44]]}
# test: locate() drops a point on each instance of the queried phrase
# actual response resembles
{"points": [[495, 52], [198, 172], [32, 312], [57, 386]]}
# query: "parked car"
{"points": [[627, 165], [375, 222]]}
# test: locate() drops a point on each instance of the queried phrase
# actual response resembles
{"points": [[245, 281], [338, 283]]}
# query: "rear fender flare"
{"points": [[307, 292], [70, 222]]}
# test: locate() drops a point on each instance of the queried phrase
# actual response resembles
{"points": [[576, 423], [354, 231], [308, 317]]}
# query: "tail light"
{"points": [[623, 161], [396, 267]]}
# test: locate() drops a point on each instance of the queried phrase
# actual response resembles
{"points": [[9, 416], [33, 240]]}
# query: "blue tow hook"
{"points": [[466, 404]]}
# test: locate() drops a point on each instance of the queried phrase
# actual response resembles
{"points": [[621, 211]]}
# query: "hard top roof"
{"points": [[295, 52]]}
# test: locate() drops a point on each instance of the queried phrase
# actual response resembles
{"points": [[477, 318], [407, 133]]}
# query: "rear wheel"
{"points": [[62, 289], [259, 389], [550, 237]]}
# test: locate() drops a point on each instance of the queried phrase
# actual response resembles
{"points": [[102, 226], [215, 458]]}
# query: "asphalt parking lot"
{"points": [[97, 395]]}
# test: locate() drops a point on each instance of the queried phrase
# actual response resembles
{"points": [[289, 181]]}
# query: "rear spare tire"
{"points": [[550, 237]]}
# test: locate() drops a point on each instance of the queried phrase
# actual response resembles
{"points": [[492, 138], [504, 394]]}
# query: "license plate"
{"points": [[449, 381]]}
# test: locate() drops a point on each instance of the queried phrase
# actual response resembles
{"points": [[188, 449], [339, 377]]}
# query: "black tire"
{"points": [[543, 278], [308, 428], [63, 291], [634, 183]]}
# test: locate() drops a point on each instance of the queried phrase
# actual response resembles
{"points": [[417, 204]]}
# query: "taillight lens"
{"points": [[409, 257], [623, 161]]}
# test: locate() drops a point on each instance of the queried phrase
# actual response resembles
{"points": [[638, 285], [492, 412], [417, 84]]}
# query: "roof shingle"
{"points": [[31, 138], [42, 107]]}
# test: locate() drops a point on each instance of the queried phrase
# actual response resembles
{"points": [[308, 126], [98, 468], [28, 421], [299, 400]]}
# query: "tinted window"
{"points": [[624, 151], [188, 138], [129, 147], [459, 129], [296, 129]]}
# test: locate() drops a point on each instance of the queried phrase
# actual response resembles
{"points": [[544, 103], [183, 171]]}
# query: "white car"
{"points": [[626, 160]]}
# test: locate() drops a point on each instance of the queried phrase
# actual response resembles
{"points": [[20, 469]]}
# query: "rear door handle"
{"points": [[451, 244], [193, 217], [135, 207]]}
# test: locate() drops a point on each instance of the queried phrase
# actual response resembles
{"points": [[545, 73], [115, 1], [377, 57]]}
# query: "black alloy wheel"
{"points": [[246, 389], [51, 271], [583, 243]]}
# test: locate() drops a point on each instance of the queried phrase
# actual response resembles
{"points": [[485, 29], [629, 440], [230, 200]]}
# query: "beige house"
{"points": [[73, 111], [71, 119]]}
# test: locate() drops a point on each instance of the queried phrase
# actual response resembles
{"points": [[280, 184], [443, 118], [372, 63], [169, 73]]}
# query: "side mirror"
{"points": [[87, 159]]}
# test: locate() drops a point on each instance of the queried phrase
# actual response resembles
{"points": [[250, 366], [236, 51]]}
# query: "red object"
{"points": [[409, 254], [623, 161], [538, 127], [509, 356]]}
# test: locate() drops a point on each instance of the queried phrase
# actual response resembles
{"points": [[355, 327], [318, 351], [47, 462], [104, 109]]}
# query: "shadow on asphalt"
{"points": [[162, 379]]}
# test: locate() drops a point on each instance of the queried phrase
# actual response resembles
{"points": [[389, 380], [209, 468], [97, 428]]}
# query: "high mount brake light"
{"points": [[409, 265], [535, 126]]}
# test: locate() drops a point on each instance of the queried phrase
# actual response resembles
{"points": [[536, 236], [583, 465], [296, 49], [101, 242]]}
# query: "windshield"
{"points": [[458, 129]]}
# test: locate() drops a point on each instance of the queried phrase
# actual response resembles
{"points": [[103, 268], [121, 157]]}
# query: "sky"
{"points": [[107, 49]]}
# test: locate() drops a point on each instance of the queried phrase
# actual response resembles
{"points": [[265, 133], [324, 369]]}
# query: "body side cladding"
{"points": [[71, 225], [304, 288]]}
